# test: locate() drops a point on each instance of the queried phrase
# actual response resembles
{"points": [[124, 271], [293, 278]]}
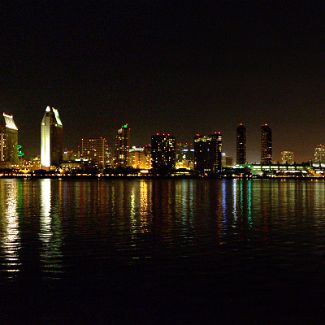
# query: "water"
{"points": [[162, 251]]}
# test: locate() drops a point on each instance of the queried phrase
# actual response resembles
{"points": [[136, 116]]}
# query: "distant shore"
{"points": [[106, 177]]}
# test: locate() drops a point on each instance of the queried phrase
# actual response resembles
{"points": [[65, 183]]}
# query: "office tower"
{"points": [[94, 150], [266, 144], [287, 157], [319, 154], [163, 153], [8, 141], [122, 146], [207, 153], [140, 157], [51, 138], [241, 144]]}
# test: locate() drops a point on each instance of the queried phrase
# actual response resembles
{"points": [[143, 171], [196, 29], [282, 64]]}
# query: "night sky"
{"points": [[180, 67]]}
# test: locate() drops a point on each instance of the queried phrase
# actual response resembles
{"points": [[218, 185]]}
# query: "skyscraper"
{"points": [[266, 144], [51, 138], [163, 153], [8, 141], [122, 146], [319, 154], [140, 158], [241, 144], [94, 149], [184, 155], [207, 153]]}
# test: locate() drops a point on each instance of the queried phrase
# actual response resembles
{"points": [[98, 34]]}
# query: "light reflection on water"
{"points": [[50, 230], [10, 235], [68, 224]]}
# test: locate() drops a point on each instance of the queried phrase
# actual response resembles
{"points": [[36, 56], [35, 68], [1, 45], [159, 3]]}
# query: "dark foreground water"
{"points": [[162, 251]]}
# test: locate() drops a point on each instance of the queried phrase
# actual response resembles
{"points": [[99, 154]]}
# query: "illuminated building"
{"points": [[70, 155], [30, 165], [266, 144], [287, 157], [184, 156], [122, 146], [8, 141], [207, 153], [241, 144], [94, 150], [140, 158], [162, 153], [51, 138], [319, 154], [226, 161]]}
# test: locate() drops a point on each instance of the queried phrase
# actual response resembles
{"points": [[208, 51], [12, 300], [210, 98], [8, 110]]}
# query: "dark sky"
{"points": [[182, 67]]}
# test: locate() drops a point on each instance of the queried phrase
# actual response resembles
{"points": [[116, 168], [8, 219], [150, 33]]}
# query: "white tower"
{"points": [[51, 138]]}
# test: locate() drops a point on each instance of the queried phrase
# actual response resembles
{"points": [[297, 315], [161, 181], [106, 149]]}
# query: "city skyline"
{"points": [[171, 67], [240, 140]]}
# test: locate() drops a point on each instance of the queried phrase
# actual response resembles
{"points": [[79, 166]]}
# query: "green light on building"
{"points": [[20, 151]]}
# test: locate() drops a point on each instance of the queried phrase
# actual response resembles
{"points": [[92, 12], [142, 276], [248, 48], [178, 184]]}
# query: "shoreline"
{"points": [[107, 177]]}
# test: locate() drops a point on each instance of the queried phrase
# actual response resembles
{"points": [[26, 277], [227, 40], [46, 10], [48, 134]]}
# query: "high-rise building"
{"points": [[122, 146], [162, 153], [94, 150], [266, 144], [184, 155], [319, 154], [226, 161], [8, 141], [51, 138], [140, 157], [241, 144], [207, 153], [287, 157]]}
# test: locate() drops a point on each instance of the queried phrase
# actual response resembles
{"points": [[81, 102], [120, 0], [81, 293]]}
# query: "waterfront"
{"points": [[162, 250]]}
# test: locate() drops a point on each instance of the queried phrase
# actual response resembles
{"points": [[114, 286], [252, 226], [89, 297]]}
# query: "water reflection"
{"points": [[45, 213], [50, 233], [145, 206], [52, 226], [10, 236]]}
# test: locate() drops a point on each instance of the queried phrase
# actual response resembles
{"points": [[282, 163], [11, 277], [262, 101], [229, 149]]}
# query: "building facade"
{"points": [[140, 157], [163, 153], [8, 141], [226, 161], [266, 144], [94, 149], [241, 144], [208, 153], [122, 146], [51, 138], [319, 154], [287, 157], [184, 156]]}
